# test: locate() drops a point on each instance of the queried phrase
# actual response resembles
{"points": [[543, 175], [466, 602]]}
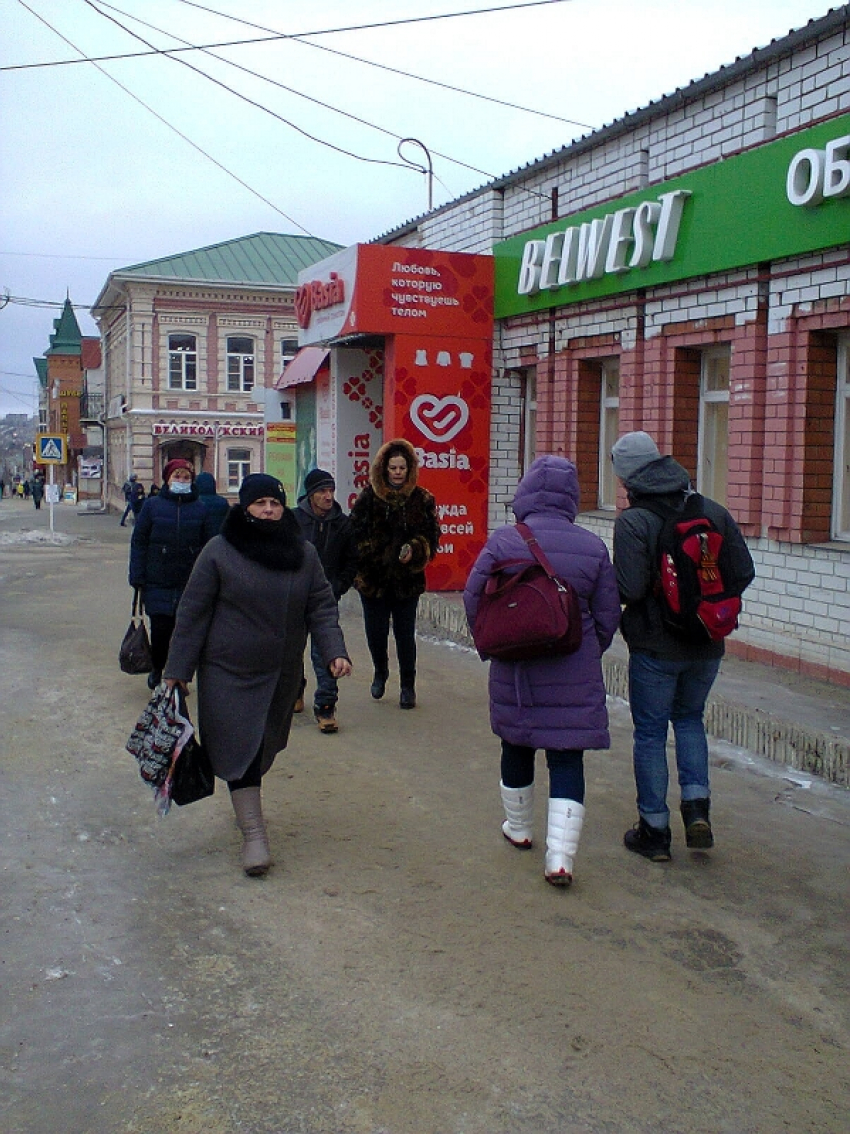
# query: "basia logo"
{"points": [[439, 419], [316, 296]]}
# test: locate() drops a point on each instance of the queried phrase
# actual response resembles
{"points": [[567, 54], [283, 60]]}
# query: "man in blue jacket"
{"points": [[669, 677], [327, 527]]}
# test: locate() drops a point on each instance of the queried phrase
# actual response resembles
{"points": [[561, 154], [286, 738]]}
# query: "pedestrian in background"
{"points": [[669, 677], [255, 593], [324, 524], [397, 534], [37, 491], [167, 537], [556, 703], [208, 495], [127, 489], [137, 499]]}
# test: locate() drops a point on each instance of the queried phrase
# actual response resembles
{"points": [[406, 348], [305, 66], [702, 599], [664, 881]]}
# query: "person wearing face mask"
{"points": [[397, 534], [168, 534], [255, 593]]}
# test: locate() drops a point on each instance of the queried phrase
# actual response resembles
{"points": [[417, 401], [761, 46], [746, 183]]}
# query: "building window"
{"points": [[713, 455], [238, 467], [841, 490], [528, 417], [240, 364], [609, 426], [182, 362], [288, 351]]}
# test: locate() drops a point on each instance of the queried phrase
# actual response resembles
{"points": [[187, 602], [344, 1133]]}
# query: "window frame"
{"points": [[238, 462], [709, 470], [187, 359], [606, 477], [841, 443], [240, 382]]}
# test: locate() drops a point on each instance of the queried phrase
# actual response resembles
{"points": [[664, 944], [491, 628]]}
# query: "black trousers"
{"points": [[378, 614], [162, 627], [566, 770]]}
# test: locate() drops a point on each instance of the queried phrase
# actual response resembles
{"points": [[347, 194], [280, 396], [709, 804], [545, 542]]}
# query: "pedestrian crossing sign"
{"points": [[50, 449]]}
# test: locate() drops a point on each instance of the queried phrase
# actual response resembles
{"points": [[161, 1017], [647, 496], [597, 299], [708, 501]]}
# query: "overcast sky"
{"points": [[93, 181]]}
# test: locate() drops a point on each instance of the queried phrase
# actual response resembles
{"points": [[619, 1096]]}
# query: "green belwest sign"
{"points": [[782, 199]]}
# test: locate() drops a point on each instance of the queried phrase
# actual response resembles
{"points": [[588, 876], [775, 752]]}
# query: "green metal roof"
{"points": [[66, 337], [270, 258], [41, 370]]}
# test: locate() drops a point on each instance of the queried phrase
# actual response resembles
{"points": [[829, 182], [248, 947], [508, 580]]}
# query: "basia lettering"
{"points": [[450, 460]]}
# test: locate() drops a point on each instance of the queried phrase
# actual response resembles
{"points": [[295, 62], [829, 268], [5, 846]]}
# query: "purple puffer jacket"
{"points": [[554, 702]]}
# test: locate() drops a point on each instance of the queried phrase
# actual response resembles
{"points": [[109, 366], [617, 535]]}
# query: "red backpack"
{"points": [[695, 584]]}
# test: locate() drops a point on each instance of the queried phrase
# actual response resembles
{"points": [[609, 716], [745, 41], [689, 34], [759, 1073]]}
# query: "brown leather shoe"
{"points": [[299, 706], [326, 720]]}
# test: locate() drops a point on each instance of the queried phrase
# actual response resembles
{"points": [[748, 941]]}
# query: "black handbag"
{"points": [[134, 656], [192, 776]]}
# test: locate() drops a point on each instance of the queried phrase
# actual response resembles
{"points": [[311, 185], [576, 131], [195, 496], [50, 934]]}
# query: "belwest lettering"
{"points": [[618, 242], [317, 296]]}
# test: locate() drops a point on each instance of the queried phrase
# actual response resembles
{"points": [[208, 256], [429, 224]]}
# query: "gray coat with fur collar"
{"points": [[242, 627]]}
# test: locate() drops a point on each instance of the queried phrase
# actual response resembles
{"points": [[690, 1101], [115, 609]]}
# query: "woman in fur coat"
{"points": [[256, 591], [397, 534], [554, 703]]}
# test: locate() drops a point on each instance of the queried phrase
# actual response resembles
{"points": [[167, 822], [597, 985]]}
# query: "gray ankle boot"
{"points": [[256, 856]]}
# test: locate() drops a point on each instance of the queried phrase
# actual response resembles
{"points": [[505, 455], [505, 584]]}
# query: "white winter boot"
{"points": [[562, 835], [256, 856], [519, 810]]}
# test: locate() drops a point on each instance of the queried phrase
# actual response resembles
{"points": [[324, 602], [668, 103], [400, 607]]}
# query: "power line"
{"points": [[299, 94], [385, 67], [244, 98], [278, 37], [65, 256], [165, 122]]}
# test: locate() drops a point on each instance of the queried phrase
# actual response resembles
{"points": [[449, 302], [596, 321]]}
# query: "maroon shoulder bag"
{"points": [[526, 610]]}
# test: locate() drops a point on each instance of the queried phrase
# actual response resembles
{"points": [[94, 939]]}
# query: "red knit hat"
{"points": [[173, 466]]}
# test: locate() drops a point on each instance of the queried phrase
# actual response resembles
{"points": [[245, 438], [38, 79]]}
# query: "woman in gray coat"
{"points": [[554, 703], [255, 592]]}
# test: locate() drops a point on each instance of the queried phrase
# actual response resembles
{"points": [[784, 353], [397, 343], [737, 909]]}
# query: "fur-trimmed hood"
{"points": [[377, 474]]}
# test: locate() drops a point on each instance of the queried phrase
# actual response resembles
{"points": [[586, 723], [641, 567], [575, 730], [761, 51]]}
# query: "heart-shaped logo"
{"points": [[439, 419]]}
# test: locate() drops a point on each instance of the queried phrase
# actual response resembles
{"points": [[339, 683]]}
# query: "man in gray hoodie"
{"points": [[670, 677]]}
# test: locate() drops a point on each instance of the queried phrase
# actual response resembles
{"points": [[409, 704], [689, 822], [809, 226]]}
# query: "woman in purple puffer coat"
{"points": [[554, 703]]}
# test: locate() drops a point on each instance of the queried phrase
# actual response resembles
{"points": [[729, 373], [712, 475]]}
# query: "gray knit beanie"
{"points": [[633, 452]]}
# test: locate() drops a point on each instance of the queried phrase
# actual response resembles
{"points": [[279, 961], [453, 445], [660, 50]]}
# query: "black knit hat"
{"points": [[317, 479], [257, 485]]}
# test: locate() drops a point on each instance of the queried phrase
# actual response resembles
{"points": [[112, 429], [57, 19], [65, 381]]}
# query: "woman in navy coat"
{"points": [[554, 703], [168, 534]]}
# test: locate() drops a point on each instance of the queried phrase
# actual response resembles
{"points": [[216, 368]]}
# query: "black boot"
{"points": [[698, 833], [407, 698], [652, 842], [379, 684]]}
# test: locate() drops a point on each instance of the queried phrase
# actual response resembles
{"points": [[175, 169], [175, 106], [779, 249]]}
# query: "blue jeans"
{"points": [[327, 690], [662, 692]]}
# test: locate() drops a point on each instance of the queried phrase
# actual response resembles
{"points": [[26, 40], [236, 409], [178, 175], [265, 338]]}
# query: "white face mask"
{"points": [[180, 487]]}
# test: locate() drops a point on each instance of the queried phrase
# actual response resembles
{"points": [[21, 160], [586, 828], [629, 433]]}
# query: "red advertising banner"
{"points": [[380, 290], [437, 397]]}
